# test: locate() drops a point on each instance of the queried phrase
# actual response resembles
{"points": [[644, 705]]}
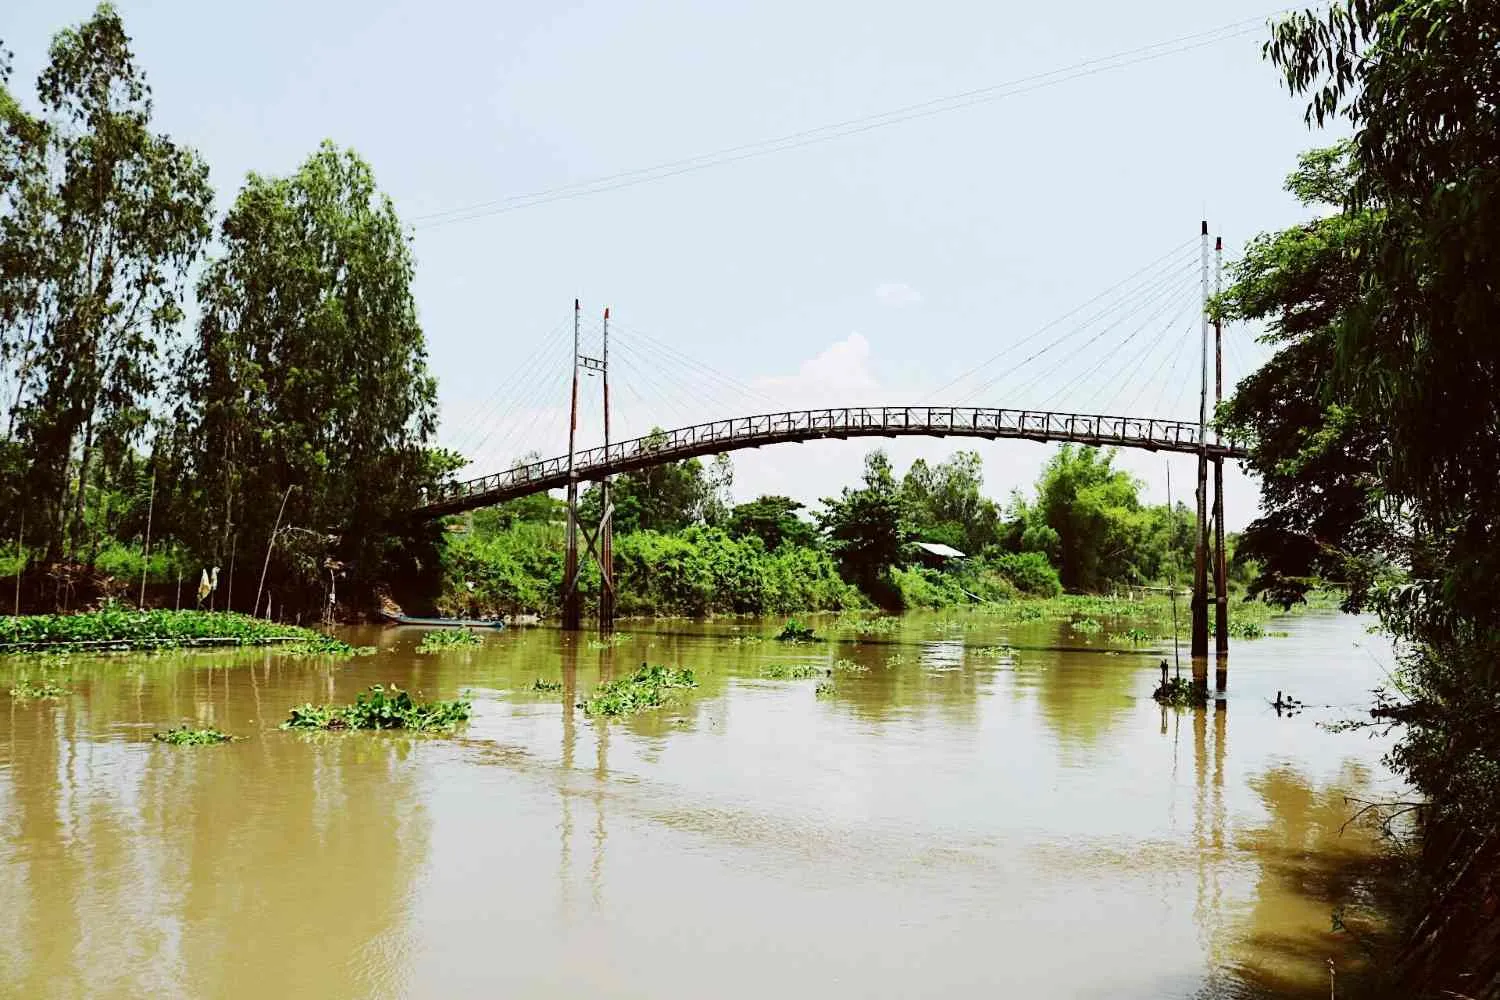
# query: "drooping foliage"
{"points": [[1378, 422]]}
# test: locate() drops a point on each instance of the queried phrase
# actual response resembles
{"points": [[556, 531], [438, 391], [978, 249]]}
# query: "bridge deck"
{"points": [[812, 425]]}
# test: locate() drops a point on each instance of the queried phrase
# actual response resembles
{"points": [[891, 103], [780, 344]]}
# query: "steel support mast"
{"points": [[1221, 568], [1200, 558]]}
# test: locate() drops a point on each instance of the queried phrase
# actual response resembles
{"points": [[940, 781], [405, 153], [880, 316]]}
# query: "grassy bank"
{"points": [[120, 629]]}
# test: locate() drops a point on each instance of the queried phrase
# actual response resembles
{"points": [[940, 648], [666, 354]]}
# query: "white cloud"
{"points": [[838, 375], [898, 293]]}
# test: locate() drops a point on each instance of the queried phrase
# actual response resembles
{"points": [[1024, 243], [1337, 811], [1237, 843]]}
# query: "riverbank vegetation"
{"points": [[1375, 424], [682, 549], [294, 412], [382, 707], [121, 628]]}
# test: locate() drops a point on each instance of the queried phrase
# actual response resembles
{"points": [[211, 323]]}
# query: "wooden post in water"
{"points": [[1200, 558], [571, 613]]}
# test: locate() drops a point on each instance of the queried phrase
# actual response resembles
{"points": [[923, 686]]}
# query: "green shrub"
{"points": [[1030, 572]]}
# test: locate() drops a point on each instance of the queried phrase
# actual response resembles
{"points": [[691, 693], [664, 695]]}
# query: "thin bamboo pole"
{"points": [[269, 546], [146, 549]]}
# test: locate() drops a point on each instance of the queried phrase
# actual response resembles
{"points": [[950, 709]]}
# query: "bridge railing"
{"points": [[836, 422]]}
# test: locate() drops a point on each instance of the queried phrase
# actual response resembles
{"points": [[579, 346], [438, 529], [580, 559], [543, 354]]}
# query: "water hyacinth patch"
{"points": [[434, 642], [381, 707], [118, 628], [648, 687], [790, 671], [187, 736], [546, 685], [795, 631]]}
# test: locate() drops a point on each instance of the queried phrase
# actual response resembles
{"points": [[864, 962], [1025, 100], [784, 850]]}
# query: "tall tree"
{"points": [[868, 529], [947, 504], [102, 219], [1089, 520], [310, 372], [1389, 314], [772, 519]]}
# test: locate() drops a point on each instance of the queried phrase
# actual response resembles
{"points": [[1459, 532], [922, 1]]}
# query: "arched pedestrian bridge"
{"points": [[814, 425]]}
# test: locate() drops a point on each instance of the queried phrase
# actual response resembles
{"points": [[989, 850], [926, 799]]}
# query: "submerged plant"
{"points": [[187, 736], [648, 687], [381, 708], [437, 641], [790, 671]]}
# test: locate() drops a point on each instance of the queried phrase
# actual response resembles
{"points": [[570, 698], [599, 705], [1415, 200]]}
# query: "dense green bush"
{"points": [[1029, 571], [696, 571]]}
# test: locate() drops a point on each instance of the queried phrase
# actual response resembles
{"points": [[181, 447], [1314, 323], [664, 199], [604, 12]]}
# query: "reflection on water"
{"points": [[952, 819]]}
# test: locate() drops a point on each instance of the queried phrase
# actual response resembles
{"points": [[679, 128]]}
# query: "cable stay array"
{"points": [[1130, 350]]}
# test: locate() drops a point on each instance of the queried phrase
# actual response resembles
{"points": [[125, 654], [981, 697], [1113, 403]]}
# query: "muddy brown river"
{"points": [[949, 821]]}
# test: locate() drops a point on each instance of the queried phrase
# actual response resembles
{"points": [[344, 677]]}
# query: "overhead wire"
{"points": [[846, 128], [1175, 251], [498, 395], [1146, 295], [1131, 380], [1182, 304]]}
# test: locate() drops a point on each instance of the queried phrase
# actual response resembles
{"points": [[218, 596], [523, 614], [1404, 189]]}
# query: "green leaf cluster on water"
{"points": [[791, 671], [825, 689], [382, 707], [26, 689], [449, 638], [188, 736], [545, 686], [648, 687], [795, 631], [119, 628]]}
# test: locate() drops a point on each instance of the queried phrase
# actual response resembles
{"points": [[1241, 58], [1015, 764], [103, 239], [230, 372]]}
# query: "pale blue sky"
{"points": [[900, 256]]}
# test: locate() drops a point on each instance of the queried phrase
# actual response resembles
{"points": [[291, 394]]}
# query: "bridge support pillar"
{"points": [[1200, 579], [571, 607], [1221, 584]]}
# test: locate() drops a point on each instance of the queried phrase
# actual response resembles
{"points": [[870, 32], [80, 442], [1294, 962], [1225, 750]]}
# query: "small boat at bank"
{"points": [[397, 619]]}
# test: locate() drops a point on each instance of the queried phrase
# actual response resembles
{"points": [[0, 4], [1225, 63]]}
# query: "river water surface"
{"points": [[951, 821]]}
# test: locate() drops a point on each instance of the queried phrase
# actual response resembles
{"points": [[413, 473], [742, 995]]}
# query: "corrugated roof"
{"points": [[939, 549]]}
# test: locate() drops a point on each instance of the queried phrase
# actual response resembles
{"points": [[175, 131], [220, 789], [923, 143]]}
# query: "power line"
{"points": [[1175, 252], [846, 128]]}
